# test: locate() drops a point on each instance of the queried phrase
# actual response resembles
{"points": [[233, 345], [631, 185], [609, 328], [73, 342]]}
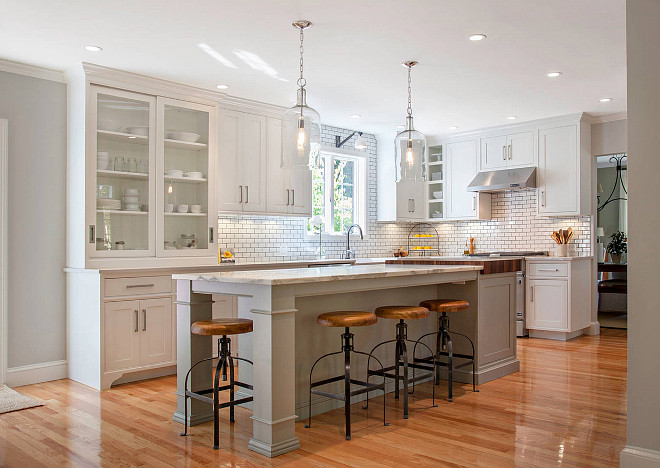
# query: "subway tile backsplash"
{"points": [[514, 226]]}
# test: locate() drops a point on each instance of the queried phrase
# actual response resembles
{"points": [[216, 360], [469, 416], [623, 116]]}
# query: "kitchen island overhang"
{"points": [[284, 304]]}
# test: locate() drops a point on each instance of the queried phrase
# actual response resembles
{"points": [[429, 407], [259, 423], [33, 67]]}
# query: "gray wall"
{"points": [[609, 137], [608, 218], [643, 36], [36, 110]]}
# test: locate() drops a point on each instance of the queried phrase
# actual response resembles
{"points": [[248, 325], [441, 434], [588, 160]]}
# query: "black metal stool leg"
{"points": [[405, 379], [450, 366], [397, 358], [232, 382], [216, 404], [347, 380]]}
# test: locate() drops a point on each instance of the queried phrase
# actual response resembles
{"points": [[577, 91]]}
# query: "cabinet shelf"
{"points": [[123, 212], [187, 180], [435, 181], [122, 175], [436, 163], [436, 200], [122, 136], [186, 214], [186, 145]]}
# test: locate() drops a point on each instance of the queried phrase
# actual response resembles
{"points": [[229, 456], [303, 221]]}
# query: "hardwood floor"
{"points": [[567, 406]]}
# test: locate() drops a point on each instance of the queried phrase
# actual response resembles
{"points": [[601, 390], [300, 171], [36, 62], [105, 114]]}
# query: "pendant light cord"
{"points": [[301, 81], [409, 92]]}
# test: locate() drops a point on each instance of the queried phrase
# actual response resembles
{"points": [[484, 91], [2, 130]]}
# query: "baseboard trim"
{"points": [[37, 373], [638, 457]]}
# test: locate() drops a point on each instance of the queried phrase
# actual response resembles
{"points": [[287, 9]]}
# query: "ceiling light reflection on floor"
{"points": [[216, 55]]}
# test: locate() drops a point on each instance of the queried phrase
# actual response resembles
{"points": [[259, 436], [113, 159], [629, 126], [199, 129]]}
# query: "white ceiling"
{"points": [[352, 53]]}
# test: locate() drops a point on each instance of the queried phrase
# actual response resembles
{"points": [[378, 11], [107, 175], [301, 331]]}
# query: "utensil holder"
{"points": [[562, 250]]}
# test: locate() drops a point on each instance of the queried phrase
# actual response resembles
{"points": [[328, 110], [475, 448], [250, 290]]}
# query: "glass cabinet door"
{"points": [[187, 220], [122, 143]]}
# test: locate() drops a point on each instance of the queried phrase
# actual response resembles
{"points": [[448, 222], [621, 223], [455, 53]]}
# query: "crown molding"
{"points": [[613, 117], [32, 71]]}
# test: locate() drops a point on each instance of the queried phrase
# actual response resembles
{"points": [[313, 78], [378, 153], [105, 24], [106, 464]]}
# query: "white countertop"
{"points": [[331, 273]]}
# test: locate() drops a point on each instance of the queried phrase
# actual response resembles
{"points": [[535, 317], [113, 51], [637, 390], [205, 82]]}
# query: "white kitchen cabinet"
{"points": [[564, 171], [289, 191], [410, 201], [556, 305], [461, 161], [512, 150], [122, 335], [242, 162], [156, 331]]}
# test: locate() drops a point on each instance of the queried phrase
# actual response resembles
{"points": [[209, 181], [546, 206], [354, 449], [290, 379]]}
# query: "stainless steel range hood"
{"points": [[504, 179]]}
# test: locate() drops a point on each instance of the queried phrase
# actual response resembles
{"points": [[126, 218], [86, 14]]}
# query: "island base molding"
{"points": [[638, 457], [274, 450], [194, 419], [556, 335]]}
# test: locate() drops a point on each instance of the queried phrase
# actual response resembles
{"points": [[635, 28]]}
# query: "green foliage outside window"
{"points": [[339, 206]]}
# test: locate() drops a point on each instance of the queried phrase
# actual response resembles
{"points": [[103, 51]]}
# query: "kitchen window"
{"points": [[339, 192]]}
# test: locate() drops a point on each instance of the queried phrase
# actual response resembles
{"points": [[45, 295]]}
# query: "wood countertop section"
{"points": [[491, 265]]}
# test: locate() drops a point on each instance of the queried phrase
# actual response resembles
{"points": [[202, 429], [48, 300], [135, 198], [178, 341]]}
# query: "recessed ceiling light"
{"points": [[355, 116], [512, 117], [453, 127], [553, 74], [93, 48], [606, 99], [222, 86], [477, 37], [132, 138]]}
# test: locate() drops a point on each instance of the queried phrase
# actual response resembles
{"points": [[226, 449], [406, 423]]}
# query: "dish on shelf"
{"points": [[132, 207], [436, 215], [436, 175], [174, 173], [438, 195], [170, 245], [169, 207], [131, 199], [131, 191], [195, 208], [141, 131], [194, 175], [108, 125], [188, 137], [182, 208], [108, 204]]}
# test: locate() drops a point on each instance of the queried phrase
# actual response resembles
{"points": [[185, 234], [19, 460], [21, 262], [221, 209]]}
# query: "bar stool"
{"points": [[224, 327], [345, 319], [402, 313], [444, 346]]}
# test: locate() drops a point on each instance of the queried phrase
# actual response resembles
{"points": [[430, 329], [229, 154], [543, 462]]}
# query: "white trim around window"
{"points": [[361, 203]]}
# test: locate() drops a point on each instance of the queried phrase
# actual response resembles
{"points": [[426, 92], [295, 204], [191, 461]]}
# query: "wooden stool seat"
{"points": [[347, 318], [222, 326], [445, 305], [402, 312], [613, 286]]}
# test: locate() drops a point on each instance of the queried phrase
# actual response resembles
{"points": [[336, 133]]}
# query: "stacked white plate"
{"points": [[108, 204], [194, 175]]}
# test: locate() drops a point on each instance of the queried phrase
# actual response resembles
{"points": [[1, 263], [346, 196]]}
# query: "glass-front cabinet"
{"points": [[152, 176]]}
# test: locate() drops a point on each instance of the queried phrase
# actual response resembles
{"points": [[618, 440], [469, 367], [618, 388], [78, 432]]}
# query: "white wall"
{"points": [[609, 137], [36, 110], [643, 37]]}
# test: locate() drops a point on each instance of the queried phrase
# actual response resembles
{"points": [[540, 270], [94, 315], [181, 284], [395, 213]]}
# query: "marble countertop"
{"points": [[330, 273]]}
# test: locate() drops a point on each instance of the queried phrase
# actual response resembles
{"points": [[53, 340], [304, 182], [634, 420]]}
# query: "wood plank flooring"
{"points": [[566, 407]]}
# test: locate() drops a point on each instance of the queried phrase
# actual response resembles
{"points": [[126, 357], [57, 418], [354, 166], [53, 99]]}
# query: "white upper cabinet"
{"points": [[289, 191], [410, 203], [242, 162], [513, 150], [564, 171], [461, 162]]}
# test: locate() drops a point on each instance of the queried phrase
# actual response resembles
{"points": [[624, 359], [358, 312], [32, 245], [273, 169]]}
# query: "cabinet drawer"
{"points": [[138, 286], [550, 270]]}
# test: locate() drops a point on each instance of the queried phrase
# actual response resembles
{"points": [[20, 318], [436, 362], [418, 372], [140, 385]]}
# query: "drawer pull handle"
{"points": [[548, 269], [144, 319], [293, 197], [240, 191], [131, 286], [531, 294], [136, 321], [288, 196]]}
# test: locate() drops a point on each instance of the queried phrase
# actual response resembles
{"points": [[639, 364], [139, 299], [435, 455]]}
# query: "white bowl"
{"points": [[184, 136], [131, 207], [108, 125], [142, 131], [182, 208], [174, 173], [131, 199], [436, 175], [195, 208], [131, 191], [194, 175], [102, 164], [438, 195], [169, 207], [103, 154]]}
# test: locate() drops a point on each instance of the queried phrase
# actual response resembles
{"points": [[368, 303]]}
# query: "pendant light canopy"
{"points": [[301, 125], [410, 145]]}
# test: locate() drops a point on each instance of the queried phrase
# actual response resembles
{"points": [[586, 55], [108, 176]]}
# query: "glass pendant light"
{"points": [[410, 145], [301, 125]]}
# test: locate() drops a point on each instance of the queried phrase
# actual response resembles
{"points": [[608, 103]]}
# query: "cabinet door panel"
{"points": [[498, 318], [254, 163], [493, 152], [461, 169], [301, 192], [520, 149], [121, 335], [410, 200], [155, 331], [230, 167], [547, 304], [558, 170], [279, 193]]}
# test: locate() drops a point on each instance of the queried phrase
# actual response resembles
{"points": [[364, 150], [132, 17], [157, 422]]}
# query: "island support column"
{"points": [[274, 406], [191, 307]]}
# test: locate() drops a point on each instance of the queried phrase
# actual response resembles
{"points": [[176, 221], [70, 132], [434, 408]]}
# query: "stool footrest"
{"points": [[327, 381], [366, 387], [384, 373]]}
